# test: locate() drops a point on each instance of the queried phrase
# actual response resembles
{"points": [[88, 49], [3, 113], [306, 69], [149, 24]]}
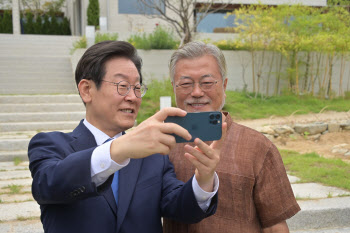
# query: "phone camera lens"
{"points": [[211, 116], [214, 122], [218, 116]]}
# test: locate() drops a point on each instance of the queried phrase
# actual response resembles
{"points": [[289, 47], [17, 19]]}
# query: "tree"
{"points": [[183, 15], [93, 13]]}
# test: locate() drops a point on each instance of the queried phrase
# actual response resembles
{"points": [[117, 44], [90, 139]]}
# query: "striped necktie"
{"points": [[115, 181]]}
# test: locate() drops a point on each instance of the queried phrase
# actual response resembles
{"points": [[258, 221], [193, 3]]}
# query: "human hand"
{"points": [[150, 137], [205, 158]]}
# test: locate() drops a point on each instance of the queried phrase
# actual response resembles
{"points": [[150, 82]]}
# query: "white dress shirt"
{"points": [[102, 166]]}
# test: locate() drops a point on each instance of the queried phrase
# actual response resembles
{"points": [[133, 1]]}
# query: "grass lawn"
{"points": [[241, 106], [313, 168]]}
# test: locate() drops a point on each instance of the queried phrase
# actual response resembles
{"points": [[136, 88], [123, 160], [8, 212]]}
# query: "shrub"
{"points": [[6, 22], [162, 38], [105, 36], [79, 44], [159, 39], [29, 24], [65, 27], [38, 26], [93, 13]]}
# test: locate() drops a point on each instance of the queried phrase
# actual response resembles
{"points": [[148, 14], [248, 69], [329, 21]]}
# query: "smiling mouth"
{"points": [[127, 110], [198, 104]]}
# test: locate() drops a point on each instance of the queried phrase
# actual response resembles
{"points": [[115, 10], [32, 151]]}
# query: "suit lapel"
{"points": [[84, 139], [128, 177]]}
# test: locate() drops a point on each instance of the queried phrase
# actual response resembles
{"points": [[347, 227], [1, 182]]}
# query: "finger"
{"points": [[218, 144], [201, 157], [165, 112], [195, 162], [204, 148], [167, 140], [172, 128]]}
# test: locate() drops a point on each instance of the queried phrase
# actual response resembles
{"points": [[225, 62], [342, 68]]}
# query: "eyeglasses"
{"points": [[124, 87], [187, 86]]}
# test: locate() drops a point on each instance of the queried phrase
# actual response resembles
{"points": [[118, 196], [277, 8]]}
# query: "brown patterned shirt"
{"points": [[254, 190]]}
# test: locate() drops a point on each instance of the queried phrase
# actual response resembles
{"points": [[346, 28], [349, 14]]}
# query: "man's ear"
{"points": [[84, 88], [225, 84]]}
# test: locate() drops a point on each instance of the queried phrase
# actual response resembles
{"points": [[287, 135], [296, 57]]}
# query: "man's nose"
{"points": [[131, 96], [197, 91]]}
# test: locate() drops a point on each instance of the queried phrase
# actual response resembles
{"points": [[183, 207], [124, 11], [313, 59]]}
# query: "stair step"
{"points": [[41, 116], [39, 90], [14, 144], [42, 107], [11, 155], [11, 99], [38, 126]]}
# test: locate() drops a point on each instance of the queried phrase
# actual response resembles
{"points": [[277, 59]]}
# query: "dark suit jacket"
{"points": [[71, 202]]}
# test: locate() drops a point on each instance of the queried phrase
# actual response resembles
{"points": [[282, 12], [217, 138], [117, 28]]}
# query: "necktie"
{"points": [[115, 181]]}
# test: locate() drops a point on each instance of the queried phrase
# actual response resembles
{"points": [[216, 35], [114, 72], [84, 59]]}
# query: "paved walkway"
{"points": [[21, 214]]}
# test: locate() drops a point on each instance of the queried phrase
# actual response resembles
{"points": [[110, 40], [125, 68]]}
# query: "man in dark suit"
{"points": [[99, 179]]}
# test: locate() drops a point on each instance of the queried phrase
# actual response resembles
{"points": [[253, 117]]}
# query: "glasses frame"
{"points": [[200, 86], [130, 87]]}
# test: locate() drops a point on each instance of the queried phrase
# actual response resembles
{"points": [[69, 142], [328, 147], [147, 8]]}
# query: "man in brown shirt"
{"points": [[254, 193]]}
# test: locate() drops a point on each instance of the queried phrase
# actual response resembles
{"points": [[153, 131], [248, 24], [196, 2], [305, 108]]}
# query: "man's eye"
{"points": [[185, 85], [123, 86], [207, 83]]}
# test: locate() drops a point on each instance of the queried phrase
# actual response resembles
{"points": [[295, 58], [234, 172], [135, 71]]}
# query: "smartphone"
{"points": [[203, 125]]}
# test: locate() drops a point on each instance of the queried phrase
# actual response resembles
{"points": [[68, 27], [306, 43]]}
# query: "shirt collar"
{"points": [[100, 137]]}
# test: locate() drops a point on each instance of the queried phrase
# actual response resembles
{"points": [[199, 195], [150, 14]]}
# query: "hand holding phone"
{"points": [[206, 126]]}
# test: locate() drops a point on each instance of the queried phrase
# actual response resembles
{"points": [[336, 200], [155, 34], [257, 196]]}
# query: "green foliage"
{"points": [[313, 168], [151, 101], [14, 189], [241, 106], [160, 38], [79, 44], [105, 36], [93, 13], [29, 23], [38, 25], [17, 161], [301, 34], [46, 24], [6, 22]]}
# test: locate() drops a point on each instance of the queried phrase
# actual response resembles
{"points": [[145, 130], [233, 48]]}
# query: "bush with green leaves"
{"points": [[93, 13], [47, 24], [160, 38], [6, 22], [105, 36], [79, 44]]}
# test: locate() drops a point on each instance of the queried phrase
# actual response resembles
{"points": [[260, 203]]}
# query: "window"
{"points": [[215, 22], [137, 7]]}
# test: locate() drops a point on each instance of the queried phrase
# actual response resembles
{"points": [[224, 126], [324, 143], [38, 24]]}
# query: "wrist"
{"points": [[118, 153]]}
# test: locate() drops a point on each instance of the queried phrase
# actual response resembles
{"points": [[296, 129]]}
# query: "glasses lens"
{"points": [[140, 90], [123, 87]]}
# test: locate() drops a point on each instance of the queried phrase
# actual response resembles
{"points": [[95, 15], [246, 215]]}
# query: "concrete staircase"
{"points": [[23, 116], [37, 90], [36, 64]]}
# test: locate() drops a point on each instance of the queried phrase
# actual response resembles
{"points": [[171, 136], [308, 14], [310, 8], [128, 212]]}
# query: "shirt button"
{"points": [[102, 165]]}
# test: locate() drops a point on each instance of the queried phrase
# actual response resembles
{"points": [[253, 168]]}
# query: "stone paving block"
{"points": [[313, 190], [6, 198], [29, 226], [12, 211], [10, 166], [23, 182], [293, 179], [335, 230], [9, 175]]}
